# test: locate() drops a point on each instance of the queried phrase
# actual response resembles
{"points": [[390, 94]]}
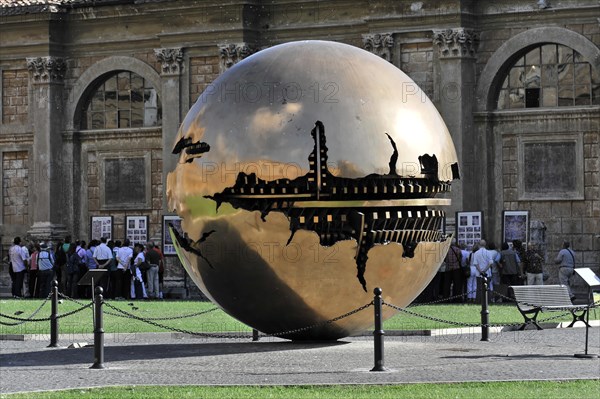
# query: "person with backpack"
{"points": [[566, 270], [60, 264], [453, 283], [45, 262], [72, 269]]}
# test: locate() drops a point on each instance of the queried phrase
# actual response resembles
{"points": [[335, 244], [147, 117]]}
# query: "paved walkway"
{"points": [[146, 359]]}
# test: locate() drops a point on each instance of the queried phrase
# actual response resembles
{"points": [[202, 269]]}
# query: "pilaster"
{"points": [[454, 66], [48, 173], [172, 65]]}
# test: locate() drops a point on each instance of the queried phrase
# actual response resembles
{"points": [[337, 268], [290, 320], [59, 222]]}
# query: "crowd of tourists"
{"points": [[132, 271], [460, 275]]}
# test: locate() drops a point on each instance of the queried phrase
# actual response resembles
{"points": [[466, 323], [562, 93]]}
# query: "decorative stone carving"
{"points": [[380, 44], [459, 42], [231, 54], [171, 59], [46, 69]]}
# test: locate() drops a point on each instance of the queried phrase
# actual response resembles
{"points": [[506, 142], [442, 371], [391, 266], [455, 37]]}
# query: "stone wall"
{"points": [[203, 71], [96, 207], [15, 188], [14, 96], [416, 61]]}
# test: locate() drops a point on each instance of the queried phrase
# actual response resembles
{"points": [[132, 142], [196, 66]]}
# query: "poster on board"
{"points": [[136, 229], [101, 226], [168, 249], [515, 226], [469, 227]]}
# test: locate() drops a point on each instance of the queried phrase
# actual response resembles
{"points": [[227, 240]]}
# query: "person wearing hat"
{"points": [[45, 263]]}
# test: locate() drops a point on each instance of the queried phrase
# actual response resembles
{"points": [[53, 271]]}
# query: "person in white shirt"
{"points": [[103, 257], [102, 254], [19, 256], [136, 278], [124, 256]]}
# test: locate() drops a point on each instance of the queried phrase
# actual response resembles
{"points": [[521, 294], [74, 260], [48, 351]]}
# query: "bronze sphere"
{"points": [[306, 177]]}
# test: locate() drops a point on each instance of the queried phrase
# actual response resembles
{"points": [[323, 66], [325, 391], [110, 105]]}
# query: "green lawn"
{"points": [[583, 389], [219, 321]]}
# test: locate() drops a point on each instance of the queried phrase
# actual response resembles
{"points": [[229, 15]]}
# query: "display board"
{"points": [[168, 248], [515, 226], [136, 229], [101, 226], [469, 227]]}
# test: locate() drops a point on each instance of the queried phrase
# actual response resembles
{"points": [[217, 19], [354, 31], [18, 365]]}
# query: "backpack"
{"points": [[61, 257]]}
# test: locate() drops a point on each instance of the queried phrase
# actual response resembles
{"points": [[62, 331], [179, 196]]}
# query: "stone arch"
{"points": [[498, 64], [84, 84]]}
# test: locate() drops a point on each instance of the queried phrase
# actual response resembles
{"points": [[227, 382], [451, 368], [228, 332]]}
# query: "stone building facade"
{"points": [[93, 93]]}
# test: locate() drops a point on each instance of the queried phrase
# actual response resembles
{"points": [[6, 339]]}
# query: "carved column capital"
{"points": [[456, 43], [171, 60], [231, 54], [380, 44], [46, 69]]}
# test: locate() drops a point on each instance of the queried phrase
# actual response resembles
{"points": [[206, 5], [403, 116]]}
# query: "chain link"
{"points": [[239, 336], [322, 323], [415, 305], [454, 323], [72, 312], [200, 334], [166, 318], [28, 319]]}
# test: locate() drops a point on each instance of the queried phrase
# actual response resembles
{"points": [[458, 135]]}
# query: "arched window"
{"points": [[123, 100], [550, 75]]}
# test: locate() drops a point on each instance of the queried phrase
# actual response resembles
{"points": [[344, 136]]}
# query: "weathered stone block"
{"points": [[592, 164], [591, 225], [582, 208], [510, 194], [540, 210], [571, 226], [553, 225], [592, 179], [561, 208]]}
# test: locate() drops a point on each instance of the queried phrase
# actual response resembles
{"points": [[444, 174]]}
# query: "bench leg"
{"points": [[530, 320], [580, 317]]}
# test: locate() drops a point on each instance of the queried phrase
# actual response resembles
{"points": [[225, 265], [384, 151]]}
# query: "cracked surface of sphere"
{"points": [[309, 174]]}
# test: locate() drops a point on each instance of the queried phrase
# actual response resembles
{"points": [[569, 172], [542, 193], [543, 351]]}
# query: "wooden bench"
{"points": [[533, 299]]}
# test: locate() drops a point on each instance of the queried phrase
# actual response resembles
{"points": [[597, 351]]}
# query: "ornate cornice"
{"points": [[380, 44], [171, 60], [458, 42], [46, 69], [231, 54]]}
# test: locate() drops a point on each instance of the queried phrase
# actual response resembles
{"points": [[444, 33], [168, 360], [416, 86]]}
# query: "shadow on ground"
{"points": [[64, 356]]}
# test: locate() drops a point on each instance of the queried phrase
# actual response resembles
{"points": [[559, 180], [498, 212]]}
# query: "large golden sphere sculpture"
{"points": [[308, 176]]}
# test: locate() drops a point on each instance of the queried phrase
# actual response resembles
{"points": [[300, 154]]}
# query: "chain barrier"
{"points": [[415, 305], [30, 318], [146, 318], [516, 324], [455, 323], [179, 330], [323, 323], [239, 336]]}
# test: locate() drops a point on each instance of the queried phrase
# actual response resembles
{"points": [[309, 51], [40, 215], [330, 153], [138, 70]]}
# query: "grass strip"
{"points": [[219, 321], [490, 390]]}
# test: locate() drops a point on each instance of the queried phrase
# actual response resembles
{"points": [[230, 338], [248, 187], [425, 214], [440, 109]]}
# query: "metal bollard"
{"points": [[485, 312], [255, 336], [98, 331], [378, 333], [54, 316]]}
